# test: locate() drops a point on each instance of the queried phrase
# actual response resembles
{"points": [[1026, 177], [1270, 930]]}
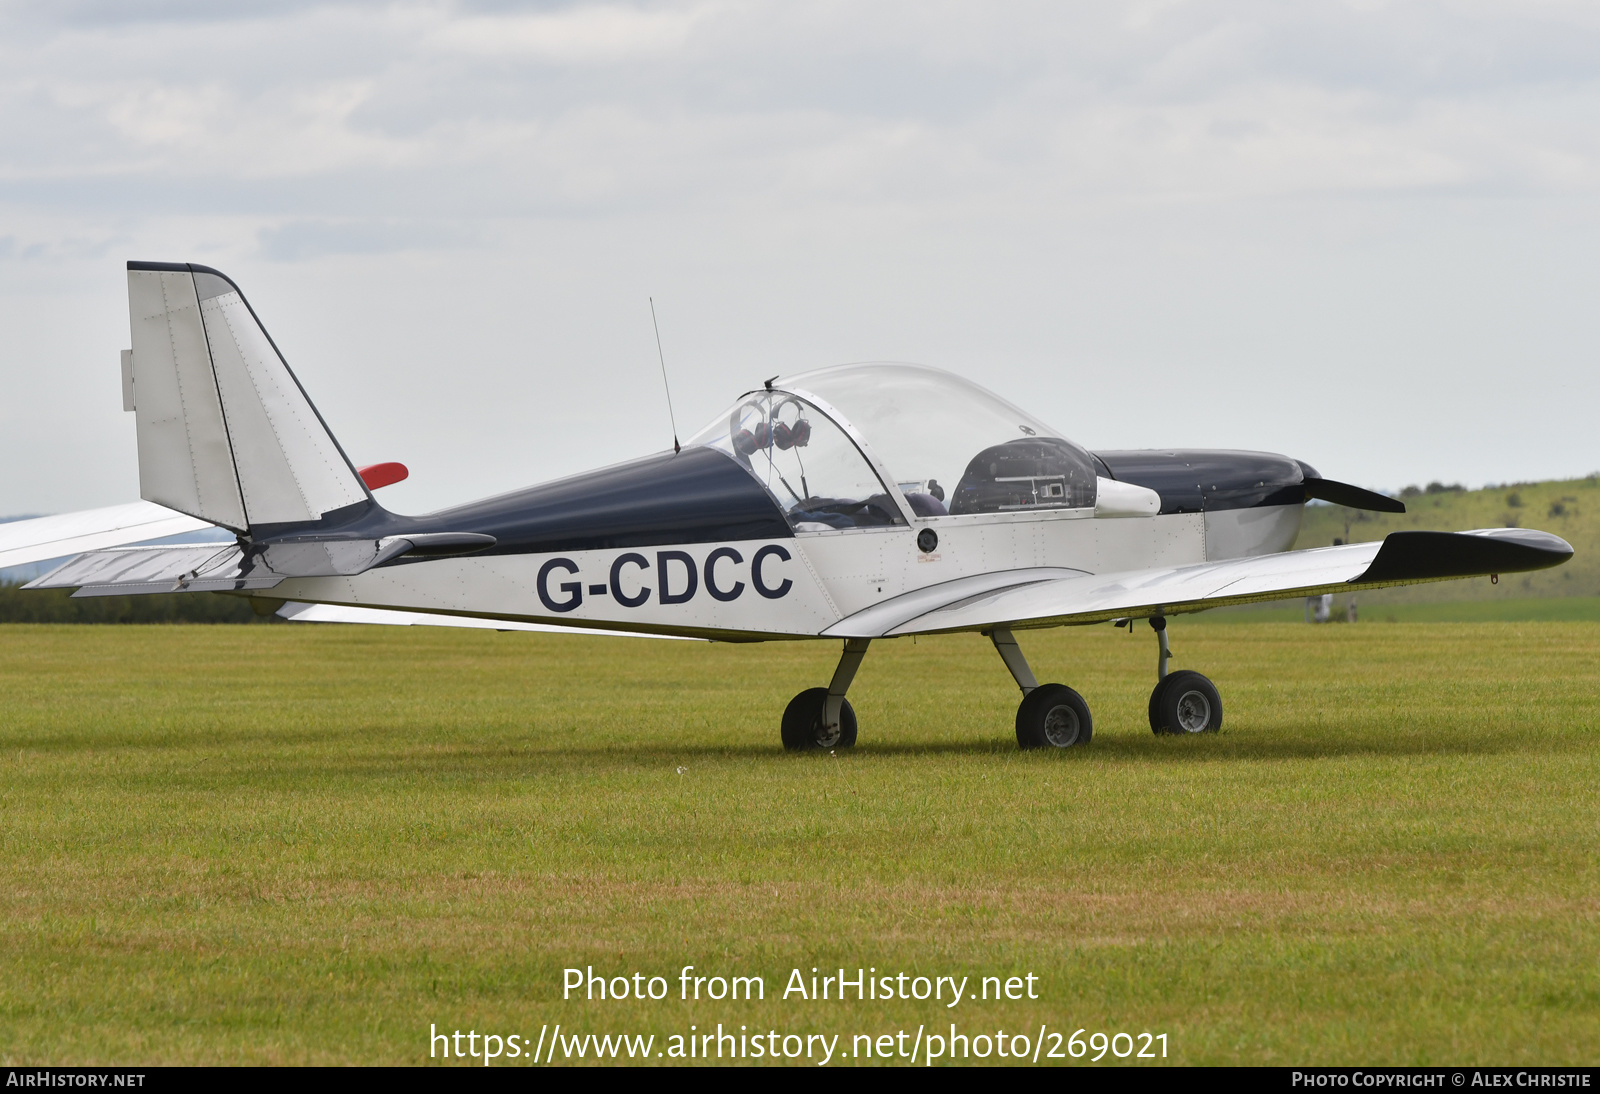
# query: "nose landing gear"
{"points": [[804, 727], [822, 718], [1182, 702]]}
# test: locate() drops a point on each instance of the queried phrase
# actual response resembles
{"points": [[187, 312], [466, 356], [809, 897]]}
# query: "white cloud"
{"points": [[1290, 201], [577, 35], [1218, 101]]}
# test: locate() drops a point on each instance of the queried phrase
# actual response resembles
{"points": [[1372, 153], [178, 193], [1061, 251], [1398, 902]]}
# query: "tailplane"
{"points": [[226, 432]]}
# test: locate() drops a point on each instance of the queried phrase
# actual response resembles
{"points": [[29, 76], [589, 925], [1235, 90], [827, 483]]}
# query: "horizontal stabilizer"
{"points": [[331, 557], [210, 567], [202, 567], [436, 544], [1351, 497]]}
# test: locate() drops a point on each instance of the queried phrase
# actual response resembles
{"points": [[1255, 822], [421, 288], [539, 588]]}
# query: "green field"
{"points": [[1370, 609], [307, 843], [1570, 508]]}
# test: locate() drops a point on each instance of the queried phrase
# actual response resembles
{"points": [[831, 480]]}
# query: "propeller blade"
{"points": [[1352, 497]]}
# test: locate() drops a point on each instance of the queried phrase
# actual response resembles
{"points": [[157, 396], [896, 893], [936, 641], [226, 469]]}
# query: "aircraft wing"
{"points": [[1031, 598], [25, 541]]}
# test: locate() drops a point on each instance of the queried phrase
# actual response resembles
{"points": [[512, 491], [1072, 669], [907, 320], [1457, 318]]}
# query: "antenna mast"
{"points": [[676, 447]]}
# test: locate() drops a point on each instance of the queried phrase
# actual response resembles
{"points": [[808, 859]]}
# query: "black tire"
{"points": [[1053, 716], [1185, 702], [802, 723]]}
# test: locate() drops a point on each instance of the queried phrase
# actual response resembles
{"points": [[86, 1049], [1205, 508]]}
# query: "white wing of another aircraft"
{"points": [[25, 541]]}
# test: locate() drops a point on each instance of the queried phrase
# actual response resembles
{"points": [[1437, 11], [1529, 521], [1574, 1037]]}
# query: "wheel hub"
{"points": [[1194, 712], [1061, 726], [826, 736]]}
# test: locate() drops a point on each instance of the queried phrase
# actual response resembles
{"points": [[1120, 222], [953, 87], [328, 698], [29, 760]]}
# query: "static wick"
{"points": [[676, 447]]}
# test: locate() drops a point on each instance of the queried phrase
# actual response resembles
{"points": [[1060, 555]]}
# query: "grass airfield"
{"points": [[303, 844]]}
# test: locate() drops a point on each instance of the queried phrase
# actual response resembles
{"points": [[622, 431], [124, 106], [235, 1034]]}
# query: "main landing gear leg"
{"points": [[823, 717], [1183, 701], [1051, 715]]}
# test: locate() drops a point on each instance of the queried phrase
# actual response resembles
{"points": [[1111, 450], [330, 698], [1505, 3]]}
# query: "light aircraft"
{"points": [[849, 503]]}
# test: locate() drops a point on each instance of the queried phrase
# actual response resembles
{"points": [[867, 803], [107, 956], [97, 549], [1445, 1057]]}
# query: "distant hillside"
{"points": [[1570, 509]]}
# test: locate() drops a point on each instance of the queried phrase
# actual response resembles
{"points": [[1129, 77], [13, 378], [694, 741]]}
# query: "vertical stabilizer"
{"points": [[226, 433], [185, 459]]}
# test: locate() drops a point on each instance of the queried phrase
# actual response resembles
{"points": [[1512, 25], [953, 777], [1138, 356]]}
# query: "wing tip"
{"points": [[1431, 556]]}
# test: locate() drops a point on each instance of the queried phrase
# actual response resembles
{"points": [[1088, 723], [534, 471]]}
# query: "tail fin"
{"points": [[226, 432]]}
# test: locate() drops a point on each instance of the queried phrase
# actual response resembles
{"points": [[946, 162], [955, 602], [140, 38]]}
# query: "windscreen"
{"points": [[953, 447], [811, 467]]}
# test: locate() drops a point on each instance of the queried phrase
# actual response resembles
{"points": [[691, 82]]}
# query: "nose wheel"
{"points": [[805, 726], [822, 718]]}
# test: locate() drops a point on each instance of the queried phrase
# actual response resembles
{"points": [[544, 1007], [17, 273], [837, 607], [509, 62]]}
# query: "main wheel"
{"points": [[802, 723], [1185, 702], [1053, 716]]}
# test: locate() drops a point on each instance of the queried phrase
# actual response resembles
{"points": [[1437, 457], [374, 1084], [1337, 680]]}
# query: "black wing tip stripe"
{"points": [[1425, 556]]}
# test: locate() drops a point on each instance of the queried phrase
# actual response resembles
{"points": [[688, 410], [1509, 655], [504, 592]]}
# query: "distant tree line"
{"points": [[1592, 479], [1433, 488], [60, 606]]}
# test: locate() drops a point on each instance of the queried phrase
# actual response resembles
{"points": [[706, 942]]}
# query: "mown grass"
{"points": [[305, 844], [1532, 609]]}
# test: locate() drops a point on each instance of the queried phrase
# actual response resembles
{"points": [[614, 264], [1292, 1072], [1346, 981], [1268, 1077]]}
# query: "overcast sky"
{"points": [[1363, 234]]}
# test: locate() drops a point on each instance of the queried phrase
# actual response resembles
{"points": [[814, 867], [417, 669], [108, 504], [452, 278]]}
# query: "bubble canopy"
{"points": [[949, 447]]}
